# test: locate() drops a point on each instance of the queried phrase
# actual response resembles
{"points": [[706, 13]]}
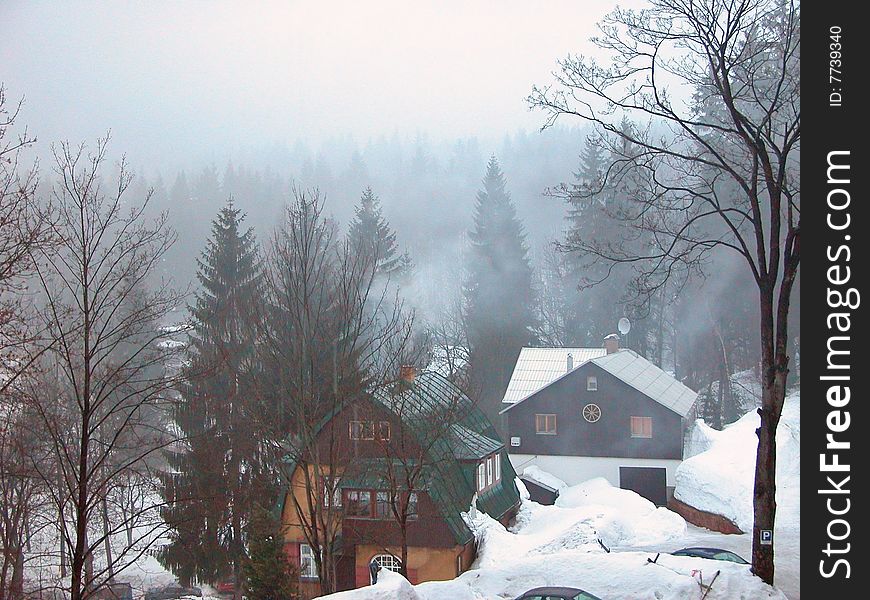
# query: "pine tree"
{"points": [[499, 295], [214, 481], [269, 573], [371, 233]]}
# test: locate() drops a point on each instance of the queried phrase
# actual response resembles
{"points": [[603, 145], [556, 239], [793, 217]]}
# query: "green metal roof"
{"points": [[456, 434], [468, 444], [455, 431]]}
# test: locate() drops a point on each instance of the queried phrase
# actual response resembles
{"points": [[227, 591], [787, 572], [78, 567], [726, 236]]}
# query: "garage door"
{"points": [[649, 482]]}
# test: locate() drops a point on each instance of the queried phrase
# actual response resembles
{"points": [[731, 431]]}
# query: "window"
{"points": [[359, 503], [591, 412], [383, 506], [332, 496], [459, 565], [545, 424], [307, 566], [592, 383], [481, 477], [412, 505], [384, 431], [498, 467], [489, 471], [641, 427], [389, 562], [362, 430]]}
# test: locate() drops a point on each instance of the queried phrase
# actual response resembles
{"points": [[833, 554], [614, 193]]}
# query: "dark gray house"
{"points": [[610, 414]]}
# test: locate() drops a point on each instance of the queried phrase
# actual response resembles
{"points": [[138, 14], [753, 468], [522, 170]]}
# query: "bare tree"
{"points": [[332, 331], [24, 228], [722, 170], [104, 324], [422, 447]]}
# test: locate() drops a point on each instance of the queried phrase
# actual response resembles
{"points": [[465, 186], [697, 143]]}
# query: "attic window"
{"points": [[592, 383]]}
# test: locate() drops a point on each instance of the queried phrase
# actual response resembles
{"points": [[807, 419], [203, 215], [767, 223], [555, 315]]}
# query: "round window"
{"points": [[591, 413]]}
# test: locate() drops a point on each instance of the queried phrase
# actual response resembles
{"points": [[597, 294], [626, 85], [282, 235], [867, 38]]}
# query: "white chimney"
{"points": [[611, 343], [570, 361]]}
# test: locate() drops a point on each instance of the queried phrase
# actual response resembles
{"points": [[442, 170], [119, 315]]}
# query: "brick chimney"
{"points": [[570, 364], [611, 343], [407, 373]]}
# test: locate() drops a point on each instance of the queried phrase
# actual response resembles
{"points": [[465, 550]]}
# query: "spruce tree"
{"points": [[498, 290], [371, 233], [269, 573], [603, 291], [216, 477]]}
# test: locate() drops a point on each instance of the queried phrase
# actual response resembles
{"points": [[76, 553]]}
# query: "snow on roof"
{"points": [[536, 368], [648, 379]]}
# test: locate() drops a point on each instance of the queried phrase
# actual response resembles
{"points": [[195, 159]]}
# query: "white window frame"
{"points": [[489, 471], [413, 500], [309, 570], [389, 562], [591, 383], [481, 476], [498, 467], [333, 499]]}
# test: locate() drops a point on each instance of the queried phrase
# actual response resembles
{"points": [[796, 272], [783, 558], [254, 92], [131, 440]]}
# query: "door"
{"points": [[649, 482]]}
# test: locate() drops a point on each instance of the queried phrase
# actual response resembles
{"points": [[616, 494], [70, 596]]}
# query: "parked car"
{"points": [[556, 593], [173, 591], [712, 553]]}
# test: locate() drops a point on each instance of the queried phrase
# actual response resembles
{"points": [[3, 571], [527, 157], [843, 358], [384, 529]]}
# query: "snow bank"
{"points": [[622, 517], [557, 545], [701, 438], [720, 478], [390, 585]]}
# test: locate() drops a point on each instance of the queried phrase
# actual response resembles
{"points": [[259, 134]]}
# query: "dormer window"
{"points": [[592, 383]]}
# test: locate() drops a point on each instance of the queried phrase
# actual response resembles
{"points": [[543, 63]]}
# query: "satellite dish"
{"points": [[624, 326]]}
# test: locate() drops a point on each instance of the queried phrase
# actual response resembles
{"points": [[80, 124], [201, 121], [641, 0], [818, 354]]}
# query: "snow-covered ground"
{"points": [[559, 545]]}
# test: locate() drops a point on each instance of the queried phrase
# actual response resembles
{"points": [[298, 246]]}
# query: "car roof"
{"points": [[553, 590]]}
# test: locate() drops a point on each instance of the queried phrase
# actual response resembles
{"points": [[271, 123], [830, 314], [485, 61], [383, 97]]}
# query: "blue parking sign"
{"points": [[767, 537]]}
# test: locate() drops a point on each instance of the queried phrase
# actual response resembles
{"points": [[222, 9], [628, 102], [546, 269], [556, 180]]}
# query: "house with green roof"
{"points": [[407, 460]]}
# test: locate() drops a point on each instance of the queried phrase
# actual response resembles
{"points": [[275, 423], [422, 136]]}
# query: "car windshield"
{"points": [[729, 556], [585, 596]]}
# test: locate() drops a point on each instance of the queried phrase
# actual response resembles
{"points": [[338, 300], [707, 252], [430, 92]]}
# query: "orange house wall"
{"points": [[424, 564]]}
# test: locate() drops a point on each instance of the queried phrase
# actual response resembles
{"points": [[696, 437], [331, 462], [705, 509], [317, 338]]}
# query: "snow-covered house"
{"points": [[420, 447], [580, 413]]}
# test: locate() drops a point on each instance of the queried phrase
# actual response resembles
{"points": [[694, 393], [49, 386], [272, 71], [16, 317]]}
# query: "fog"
{"points": [[209, 100], [182, 83]]}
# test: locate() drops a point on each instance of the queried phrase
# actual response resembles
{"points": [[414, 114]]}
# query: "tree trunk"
{"points": [[107, 542], [774, 370]]}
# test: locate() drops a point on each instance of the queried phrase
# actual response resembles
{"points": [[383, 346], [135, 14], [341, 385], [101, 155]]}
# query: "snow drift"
{"points": [[718, 476]]}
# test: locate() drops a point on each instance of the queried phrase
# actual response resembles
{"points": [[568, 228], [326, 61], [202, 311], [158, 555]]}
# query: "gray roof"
{"points": [[647, 378], [537, 368], [636, 371]]}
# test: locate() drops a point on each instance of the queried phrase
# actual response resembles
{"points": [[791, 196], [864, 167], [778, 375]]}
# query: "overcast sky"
{"points": [[183, 79]]}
